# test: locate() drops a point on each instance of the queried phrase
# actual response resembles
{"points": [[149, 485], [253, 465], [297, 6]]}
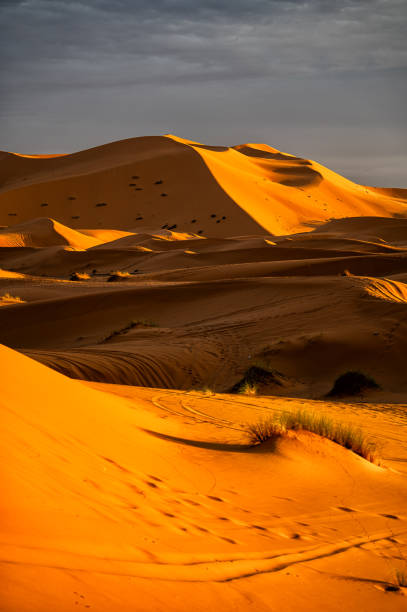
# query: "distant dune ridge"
{"points": [[156, 181], [160, 299]]}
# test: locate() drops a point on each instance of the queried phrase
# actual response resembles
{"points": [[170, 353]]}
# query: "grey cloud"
{"points": [[209, 63]]}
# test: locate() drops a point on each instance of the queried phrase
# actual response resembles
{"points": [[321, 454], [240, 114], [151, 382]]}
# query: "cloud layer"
{"points": [[96, 58]]}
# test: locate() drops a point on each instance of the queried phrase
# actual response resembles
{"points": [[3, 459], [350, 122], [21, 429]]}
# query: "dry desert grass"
{"points": [[343, 434]]}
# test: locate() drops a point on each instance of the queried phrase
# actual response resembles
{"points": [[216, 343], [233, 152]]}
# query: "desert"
{"points": [[203, 393]]}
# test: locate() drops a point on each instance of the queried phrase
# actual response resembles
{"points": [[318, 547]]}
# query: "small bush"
{"points": [[267, 429], [10, 299], [118, 276], [79, 276], [255, 376], [345, 435], [248, 388], [352, 383], [205, 390]]}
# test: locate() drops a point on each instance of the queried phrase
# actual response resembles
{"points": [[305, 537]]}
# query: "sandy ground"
{"points": [[129, 481]]}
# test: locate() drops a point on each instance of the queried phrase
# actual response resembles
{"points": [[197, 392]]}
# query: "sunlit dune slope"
{"points": [[44, 232], [108, 505], [167, 182]]}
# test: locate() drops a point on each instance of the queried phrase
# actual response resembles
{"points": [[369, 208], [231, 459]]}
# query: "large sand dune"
{"points": [[167, 181], [142, 284]]}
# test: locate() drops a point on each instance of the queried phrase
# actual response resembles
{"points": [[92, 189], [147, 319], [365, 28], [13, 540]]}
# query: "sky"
{"points": [[323, 79]]}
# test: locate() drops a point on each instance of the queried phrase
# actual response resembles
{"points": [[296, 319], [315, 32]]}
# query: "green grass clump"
{"points": [[321, 425], [352, 383]]}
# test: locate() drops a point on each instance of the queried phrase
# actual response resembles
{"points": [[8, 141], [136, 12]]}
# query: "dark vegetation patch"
{"points": [[79, 276], [44, 204], [257, 376], [352, 383], [75, 217], [127, 328], [193, 221], [71, 198], [164, 195], [139, 218], [160, 182], [101, 204], [12, 214], [118, 276]]}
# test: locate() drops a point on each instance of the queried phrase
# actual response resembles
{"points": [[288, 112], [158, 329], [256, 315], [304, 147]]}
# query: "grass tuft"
{"points": [[345, 435], [401, 578], [248, 388], [258, 375]]}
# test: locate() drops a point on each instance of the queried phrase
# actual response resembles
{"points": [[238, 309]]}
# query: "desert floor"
{"points": [[144, 284]]}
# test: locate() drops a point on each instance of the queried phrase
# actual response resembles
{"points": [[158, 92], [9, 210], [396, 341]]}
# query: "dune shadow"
{"points": [[253, 152], [218, 149], [301, 176], [217, 446]]}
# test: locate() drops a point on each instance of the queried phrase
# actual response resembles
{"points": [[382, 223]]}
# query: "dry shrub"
{"points": [[321, 425]]}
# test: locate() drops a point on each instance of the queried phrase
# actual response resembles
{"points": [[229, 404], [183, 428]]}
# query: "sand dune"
{"points": [[81, 462], [171, 183], [211, 288], [44, 232]]}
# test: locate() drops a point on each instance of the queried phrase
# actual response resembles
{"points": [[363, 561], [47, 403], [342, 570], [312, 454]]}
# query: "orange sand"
{"points": [[128, 479]]}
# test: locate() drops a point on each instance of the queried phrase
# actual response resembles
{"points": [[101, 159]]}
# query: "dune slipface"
{"points": [[158, 298]]}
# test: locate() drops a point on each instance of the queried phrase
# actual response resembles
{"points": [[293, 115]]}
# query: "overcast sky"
{"points": [[324, 79]]}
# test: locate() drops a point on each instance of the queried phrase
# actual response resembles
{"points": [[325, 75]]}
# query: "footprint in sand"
{"points": [[390, 516]]}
